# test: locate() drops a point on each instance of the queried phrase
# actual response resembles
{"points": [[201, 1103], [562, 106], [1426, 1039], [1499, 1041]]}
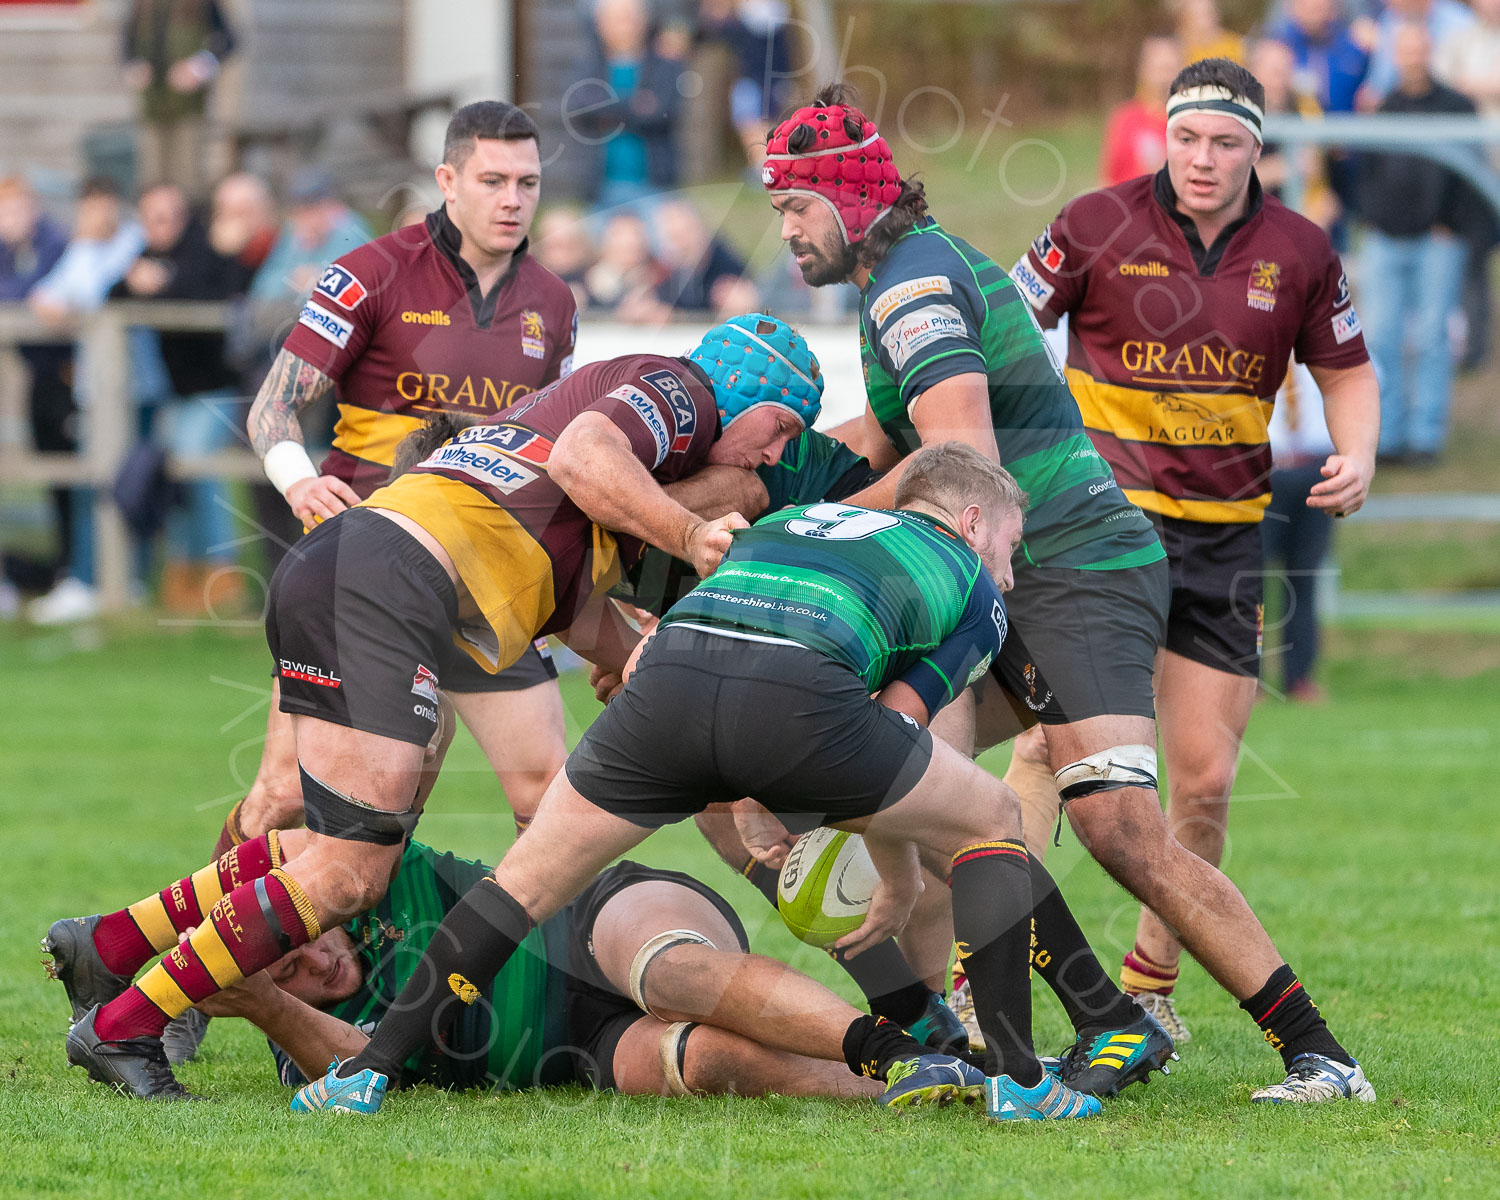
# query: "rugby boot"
{"points": [[932, 1080], [1049, 1100], [1164, 1009], [183, 1036], [1314, 1078], [939, 1028], [962, 1004], [1101, 1064], [361, 1093], [77, 965], [134, 1066]]}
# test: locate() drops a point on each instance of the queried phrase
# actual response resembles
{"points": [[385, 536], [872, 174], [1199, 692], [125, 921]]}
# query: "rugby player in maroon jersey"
{"points": [[1188, 293], [450, 315]]}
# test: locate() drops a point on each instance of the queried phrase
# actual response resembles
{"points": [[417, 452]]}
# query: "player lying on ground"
{"points": [[644, 984], [506, 533], [951, 349], [759, 684]]}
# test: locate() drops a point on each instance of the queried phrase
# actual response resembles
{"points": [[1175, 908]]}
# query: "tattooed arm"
{"points": [[276, 437]]}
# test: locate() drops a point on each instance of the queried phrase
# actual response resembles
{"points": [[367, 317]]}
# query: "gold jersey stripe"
{"points": [[216, 957], [162, 990], [1212, 512], [1171, 418], [150, 917], [372, 435]]}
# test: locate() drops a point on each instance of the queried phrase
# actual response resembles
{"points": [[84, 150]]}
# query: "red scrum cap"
{"points": [[836, 154]]}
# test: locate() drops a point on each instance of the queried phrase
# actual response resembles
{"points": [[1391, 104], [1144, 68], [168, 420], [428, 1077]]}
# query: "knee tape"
{"points": [[337, 816], [647, 954], [674, 1056], [1108, 771]]}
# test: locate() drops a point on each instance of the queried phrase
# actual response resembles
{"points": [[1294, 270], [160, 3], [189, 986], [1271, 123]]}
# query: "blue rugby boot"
{"points": [[361, 1093], [1049, 1100], [939, 1028]]}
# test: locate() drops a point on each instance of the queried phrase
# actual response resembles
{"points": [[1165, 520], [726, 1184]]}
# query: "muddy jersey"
{"points": [[400, 326], [528, 558], [1176, 350], [936, 307]]}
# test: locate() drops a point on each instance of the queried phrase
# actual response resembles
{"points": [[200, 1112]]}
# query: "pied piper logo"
{"points": [[463, 989]]}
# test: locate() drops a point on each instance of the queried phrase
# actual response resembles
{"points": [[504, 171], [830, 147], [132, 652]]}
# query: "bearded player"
{"points": [[951, 349]]}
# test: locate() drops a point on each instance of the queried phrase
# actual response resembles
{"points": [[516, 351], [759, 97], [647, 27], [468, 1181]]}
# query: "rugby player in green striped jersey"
{"points": [[759, 684], [951, 350]]}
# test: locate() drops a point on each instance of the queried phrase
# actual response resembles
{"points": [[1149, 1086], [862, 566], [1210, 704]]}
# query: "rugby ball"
{"points": [[825, 886]]}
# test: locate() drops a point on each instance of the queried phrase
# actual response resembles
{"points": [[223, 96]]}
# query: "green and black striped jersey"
{"points": [[891, 595], [501, 1044], [936, 307]]}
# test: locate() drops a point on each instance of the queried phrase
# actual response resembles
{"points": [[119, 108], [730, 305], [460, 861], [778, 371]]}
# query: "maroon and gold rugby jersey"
{"points": [[1175, 351], [400, 326], [527, 556]]}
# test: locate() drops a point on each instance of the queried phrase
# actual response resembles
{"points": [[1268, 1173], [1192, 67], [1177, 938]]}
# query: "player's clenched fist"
{"points": [[708, 541]]}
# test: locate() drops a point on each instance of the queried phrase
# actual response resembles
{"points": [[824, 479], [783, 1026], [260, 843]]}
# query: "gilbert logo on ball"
{"points": [[825, 886]]}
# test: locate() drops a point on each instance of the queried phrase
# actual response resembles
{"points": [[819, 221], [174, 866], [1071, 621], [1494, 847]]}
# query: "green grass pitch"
{"points": [[1364, 834]]}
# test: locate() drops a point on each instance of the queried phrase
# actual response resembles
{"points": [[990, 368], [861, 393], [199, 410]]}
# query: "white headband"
{"points": [[1212, 98]]}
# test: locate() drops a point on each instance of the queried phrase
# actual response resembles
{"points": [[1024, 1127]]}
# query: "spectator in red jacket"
{"points": [[1135, 140]]}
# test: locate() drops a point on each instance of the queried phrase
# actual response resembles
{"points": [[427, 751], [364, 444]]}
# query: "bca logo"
{"points": [[684, 415], [340, 286], [1048, 253]]}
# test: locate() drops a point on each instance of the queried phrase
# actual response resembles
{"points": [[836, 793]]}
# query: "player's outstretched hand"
{"points": [[708, 541], [765, 837], [1346, 483], [890, 909], [315, 500]]}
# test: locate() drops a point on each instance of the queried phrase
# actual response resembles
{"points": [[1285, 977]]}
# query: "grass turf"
{"points": [[1362, 833]]}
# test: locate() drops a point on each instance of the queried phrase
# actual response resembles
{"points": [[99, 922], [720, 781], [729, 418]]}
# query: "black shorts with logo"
{"points": [[598, 1013], [359, 618], [709, 719], [1082, 643], [1218, 593], [462, 674]]}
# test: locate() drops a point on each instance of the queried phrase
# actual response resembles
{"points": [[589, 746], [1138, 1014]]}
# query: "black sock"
{"points": [[1291, 1021], [992, 924], [1062, 956], [881, 973], [467, 950], [872, 1044]]}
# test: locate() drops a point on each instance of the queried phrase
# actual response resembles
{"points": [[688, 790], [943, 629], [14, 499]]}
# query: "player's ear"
{"points": [[446, 177]]}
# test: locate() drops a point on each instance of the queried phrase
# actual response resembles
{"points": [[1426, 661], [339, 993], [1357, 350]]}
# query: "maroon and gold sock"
{"points": [[1139, 974], [233, 833], [245, 932], [127, 940]]}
